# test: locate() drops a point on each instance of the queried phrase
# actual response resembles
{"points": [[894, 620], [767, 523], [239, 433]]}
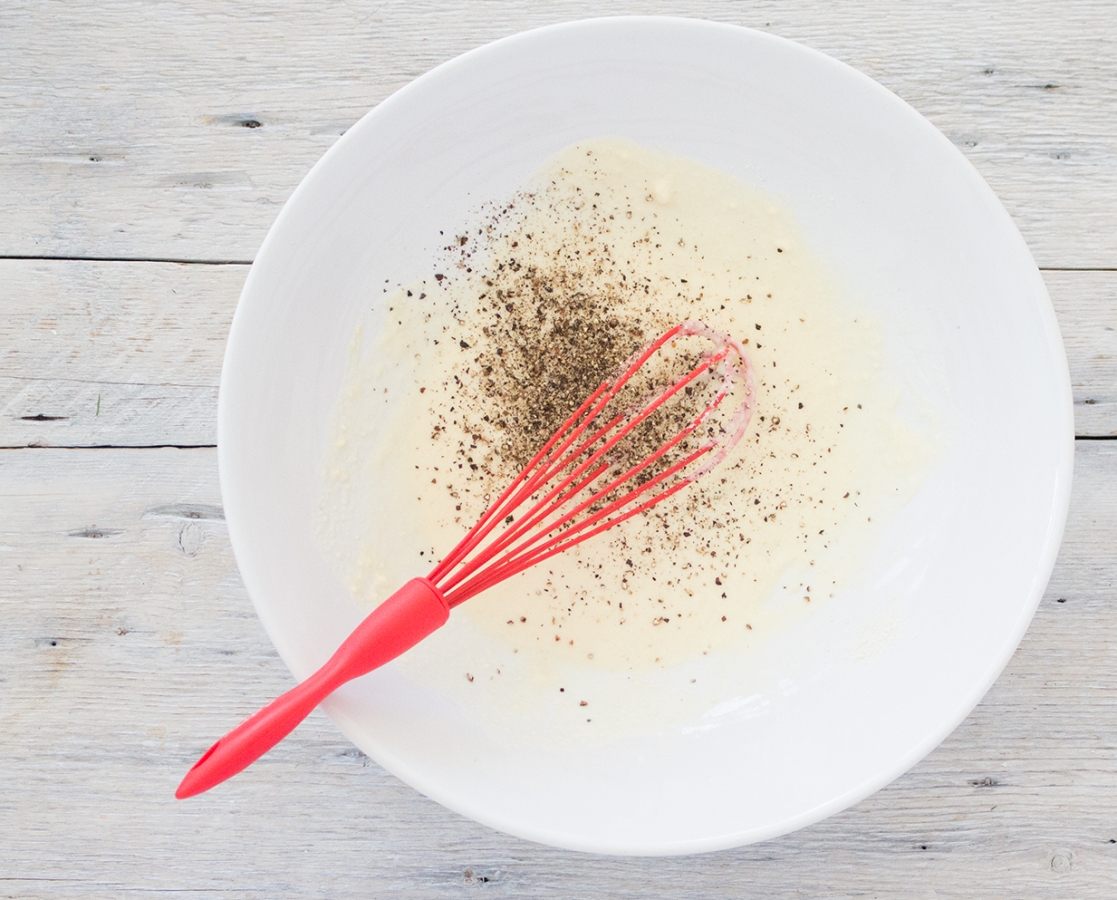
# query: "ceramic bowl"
{"points": [[844, 703]]}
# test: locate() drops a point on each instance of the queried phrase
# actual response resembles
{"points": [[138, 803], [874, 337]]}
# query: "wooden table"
{"points": [[145, 149]]}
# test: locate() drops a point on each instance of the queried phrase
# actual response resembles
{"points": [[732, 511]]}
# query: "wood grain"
{"points": [[1086, 306], [123, 354], [128, 642], [159, 130]]}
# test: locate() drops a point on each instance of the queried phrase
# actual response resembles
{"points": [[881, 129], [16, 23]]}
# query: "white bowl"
{"points": [[884, 199]]}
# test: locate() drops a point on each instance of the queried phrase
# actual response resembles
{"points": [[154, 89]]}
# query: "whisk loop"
{"points": [[555, 521], [579, 484]]}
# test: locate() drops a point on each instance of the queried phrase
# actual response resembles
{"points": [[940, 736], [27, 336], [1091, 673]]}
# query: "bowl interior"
{"points": [[882, 198]]}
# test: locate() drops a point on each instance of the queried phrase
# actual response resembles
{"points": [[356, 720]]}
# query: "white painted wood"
{"points": [[1086, 306], [123, 129], [128, 643], [128, 354], [148, 339]]}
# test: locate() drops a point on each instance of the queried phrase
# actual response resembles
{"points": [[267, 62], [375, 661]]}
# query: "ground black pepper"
{"points": [[552, 315]]}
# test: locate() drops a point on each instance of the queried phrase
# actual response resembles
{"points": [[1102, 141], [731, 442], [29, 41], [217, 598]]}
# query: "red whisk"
{"points": [[571, 490]]}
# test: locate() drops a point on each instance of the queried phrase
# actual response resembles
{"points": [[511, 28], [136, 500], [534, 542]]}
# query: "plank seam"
{"points": [[1077, 268], [108, 447], [127, 259], [248, 262], [1077, 437]]}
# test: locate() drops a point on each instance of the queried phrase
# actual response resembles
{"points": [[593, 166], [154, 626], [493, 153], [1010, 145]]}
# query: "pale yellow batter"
{"points": [[772, 534]]}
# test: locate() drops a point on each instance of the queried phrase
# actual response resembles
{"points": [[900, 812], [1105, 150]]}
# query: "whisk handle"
{"points": [[414, 611]]}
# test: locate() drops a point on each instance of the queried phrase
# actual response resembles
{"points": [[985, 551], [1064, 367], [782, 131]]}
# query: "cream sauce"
{"points": [[767, 538]]}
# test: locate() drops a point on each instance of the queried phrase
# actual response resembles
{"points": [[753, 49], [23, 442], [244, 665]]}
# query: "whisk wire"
{"points": [[526, 484], [534, 518], [510, 564], [517, 552], [560, 459], [490, 519], [537, 516]]}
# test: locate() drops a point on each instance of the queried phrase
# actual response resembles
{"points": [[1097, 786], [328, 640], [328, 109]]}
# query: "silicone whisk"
{"points": [[578, 485]]}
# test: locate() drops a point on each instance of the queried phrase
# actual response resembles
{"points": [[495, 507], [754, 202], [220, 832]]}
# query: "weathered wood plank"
{"points": [[128, 642], [1086, 306], [148, 338], [127, 354], [133, 129]]}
